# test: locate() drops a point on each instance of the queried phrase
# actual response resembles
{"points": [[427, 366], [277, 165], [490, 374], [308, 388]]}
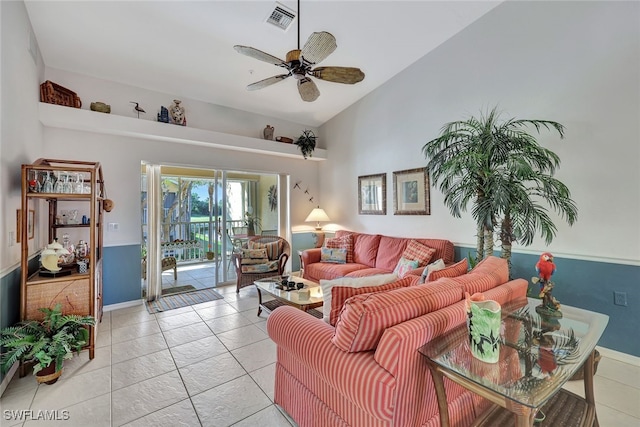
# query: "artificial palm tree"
{"points": [[505, 173]]}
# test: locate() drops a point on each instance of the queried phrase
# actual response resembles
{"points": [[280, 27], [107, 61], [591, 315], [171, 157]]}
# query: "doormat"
{"points": [[172, 290], [184, 299]]}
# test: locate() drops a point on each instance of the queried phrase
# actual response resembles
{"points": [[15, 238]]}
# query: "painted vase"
{"points": [[177, 113], [484, 330]]}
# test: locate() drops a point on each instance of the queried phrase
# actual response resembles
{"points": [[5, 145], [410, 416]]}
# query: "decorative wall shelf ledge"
{"points": [[58, 116]]}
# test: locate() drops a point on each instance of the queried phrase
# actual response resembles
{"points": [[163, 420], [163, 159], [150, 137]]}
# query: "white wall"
{"points": [[577, 63], [20, 131]]}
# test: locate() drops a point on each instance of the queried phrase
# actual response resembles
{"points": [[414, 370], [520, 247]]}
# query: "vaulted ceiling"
{"points": [[185, 48]]}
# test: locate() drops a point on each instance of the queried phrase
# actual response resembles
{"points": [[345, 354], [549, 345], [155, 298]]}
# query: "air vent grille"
{"points": [[281, 17]]}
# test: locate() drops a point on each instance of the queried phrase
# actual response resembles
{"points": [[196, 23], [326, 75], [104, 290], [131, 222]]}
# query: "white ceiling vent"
{"points": [[281, 16]]}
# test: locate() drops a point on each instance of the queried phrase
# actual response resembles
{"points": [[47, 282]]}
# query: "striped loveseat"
{"points": [[366, 371]]}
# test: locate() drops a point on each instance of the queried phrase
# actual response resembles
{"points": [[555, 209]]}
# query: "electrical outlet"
{"points": [[620, 298], [12, 238], [113, 226]]}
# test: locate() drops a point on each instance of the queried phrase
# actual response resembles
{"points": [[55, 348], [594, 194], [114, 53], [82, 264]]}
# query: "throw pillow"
{"points": [[338, 256], [455, 270], [344, 242], [360, 282], [416, 251], [405, 266], [254, 256], [274, 249], [434, 266]]}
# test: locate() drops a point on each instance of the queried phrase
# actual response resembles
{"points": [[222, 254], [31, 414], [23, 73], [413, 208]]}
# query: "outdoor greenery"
{"points": [[51, 340], [506, 176]]}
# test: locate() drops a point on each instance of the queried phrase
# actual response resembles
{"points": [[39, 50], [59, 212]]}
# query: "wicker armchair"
{"points": [[246, 278]]}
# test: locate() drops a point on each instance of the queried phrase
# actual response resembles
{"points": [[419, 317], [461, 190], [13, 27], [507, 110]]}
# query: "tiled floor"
{"points": [[210, 365]]}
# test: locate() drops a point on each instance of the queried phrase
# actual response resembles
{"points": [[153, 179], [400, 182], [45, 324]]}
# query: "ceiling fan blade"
{"points": [[308, 90], [267, 82], [318, 47], [347, 75], [258, 54]]}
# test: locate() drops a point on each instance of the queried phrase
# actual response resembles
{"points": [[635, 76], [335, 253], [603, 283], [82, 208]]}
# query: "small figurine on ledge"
{"points": [[545, 268]]}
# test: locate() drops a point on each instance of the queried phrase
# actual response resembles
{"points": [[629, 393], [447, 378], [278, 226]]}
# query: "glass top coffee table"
{"points": [[537, 356], [308, 298]]}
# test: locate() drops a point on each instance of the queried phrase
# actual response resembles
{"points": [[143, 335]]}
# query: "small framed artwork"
{"points": [[31, 221], [411, 192], [372, 194]]}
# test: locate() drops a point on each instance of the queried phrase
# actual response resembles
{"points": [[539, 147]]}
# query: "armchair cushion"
{"points": [[364, 318], [254, 256], [261, 268], [273, 249]]}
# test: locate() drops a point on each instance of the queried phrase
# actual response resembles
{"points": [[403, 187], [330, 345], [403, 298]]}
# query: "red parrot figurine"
{"points": [[545, 269]]}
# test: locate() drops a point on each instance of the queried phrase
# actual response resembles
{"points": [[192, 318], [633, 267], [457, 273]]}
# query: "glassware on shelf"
{"points": [[67, 186], [47, 187], [59, 185], [79, 184]]}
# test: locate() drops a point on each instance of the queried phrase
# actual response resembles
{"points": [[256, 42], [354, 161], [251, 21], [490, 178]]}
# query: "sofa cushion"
{"points": [[418, 252], [434, 266], [365, 248], [348, 282], [367, 272], [405, 266], [454, 270], [487, 274], [344, 242], [330, 271], [389, 252], [338, 256], [365, 317]]}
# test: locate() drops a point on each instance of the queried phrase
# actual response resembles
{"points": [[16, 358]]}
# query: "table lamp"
{"points": [[318, 215]]}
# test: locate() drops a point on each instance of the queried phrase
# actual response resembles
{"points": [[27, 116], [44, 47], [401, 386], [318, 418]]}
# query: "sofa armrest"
{"points": [[309, 256], [304, 342]]}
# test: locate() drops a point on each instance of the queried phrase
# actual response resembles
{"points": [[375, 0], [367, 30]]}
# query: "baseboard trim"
{"points": [[620, 357], [119, 305], [7, 378]]}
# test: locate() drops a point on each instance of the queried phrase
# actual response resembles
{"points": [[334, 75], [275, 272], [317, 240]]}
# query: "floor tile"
{"points": [[211, 372], [134, 331], [130, 318], [173, 312], [265, 377], [608, 417], [95, 412], [136, 348], [215, 311], [196, 351], [178, 414], [141, 368], [230, 402], [256, 355], [616, 395], [179, 320], [103, 338], [618, 371], [227, 323], [252, 315], [268, 417], [185, 334], [145, 397], [74, 389], [16, 400], [81, 363], [240, 337]]}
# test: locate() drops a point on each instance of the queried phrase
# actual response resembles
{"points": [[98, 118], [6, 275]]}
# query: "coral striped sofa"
{"points": [[372, 254], [366, 371]]}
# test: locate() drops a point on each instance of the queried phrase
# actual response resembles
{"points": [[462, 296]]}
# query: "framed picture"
{"points": [[31, 221], [411, 192], [372, 194]]}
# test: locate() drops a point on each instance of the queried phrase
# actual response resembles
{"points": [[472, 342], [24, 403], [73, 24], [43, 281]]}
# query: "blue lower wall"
{"points": [[121, 274], [585, 284], [590, 285]]}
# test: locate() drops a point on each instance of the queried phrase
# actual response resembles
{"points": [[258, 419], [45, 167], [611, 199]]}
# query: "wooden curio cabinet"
{"points": [[69, 196]]}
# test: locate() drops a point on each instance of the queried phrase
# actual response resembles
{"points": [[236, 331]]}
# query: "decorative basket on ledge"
{"points": [[53, 93]]}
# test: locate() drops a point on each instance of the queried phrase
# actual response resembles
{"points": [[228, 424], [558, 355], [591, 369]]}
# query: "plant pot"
{"points": [[48, 375], [211, 255]]}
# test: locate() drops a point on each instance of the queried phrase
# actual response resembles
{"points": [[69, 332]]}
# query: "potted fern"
{"points": [[46, 343]]}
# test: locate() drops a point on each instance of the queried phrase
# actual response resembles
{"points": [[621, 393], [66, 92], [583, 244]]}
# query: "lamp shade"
{"points": [[317, 215]]}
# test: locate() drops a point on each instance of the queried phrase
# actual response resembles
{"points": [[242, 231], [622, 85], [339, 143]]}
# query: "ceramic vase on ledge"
{"points": [[484, 330]]}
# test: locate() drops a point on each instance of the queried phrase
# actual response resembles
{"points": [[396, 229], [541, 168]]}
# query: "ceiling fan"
{"points": [[299, 63]]}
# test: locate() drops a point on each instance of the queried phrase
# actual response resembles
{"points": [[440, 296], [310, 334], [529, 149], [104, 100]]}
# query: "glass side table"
{"points": [[537, 356]]}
